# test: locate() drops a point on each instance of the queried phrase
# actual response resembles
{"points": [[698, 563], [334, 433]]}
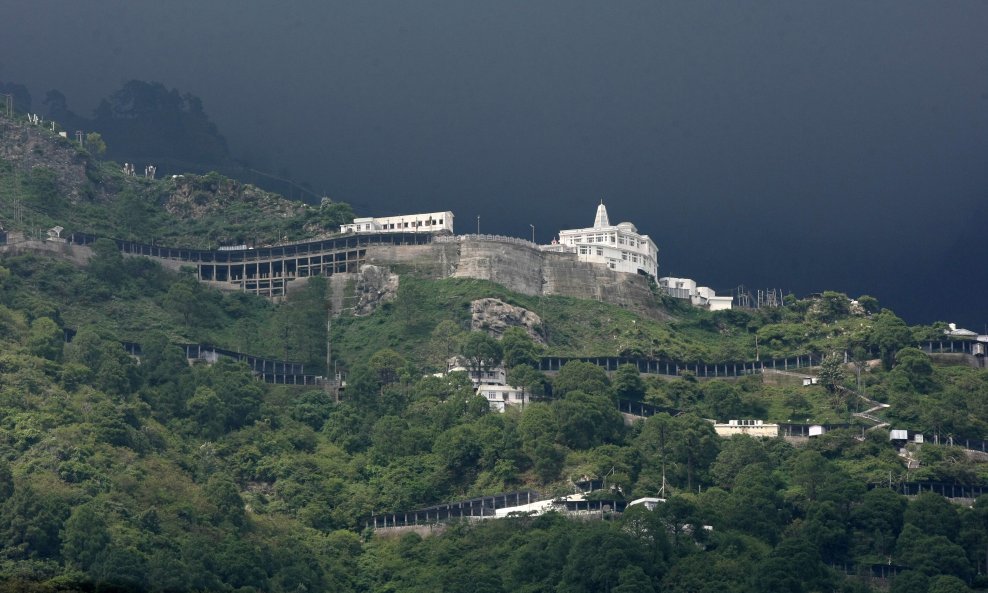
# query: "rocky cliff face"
{"points": [[27, 147], [193, 197], [495, 317], [373, 286]]}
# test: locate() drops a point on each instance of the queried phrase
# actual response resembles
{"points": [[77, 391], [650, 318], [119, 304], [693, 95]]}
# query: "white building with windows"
{"points": [[755, 428], [699, 296], [620, 247], [492, 385], [501, 396], [433, 222]]}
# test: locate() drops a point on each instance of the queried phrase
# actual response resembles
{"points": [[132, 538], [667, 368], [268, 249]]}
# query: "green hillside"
{"points": [[119, 474]]}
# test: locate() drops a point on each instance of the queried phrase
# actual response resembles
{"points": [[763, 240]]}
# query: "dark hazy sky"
{"points": [[798, 145]]}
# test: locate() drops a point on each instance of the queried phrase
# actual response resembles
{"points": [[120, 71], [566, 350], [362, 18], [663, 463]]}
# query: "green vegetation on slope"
{"points": [[121, 474]]}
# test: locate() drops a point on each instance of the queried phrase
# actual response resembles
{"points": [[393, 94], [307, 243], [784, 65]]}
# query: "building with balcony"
{"points": [[620, 247]]}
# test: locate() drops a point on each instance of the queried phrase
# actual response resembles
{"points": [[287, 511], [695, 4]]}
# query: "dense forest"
{"points": [[154, 474]]}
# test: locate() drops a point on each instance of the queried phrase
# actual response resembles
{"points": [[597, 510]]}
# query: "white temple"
{"points": [[621, 247]]}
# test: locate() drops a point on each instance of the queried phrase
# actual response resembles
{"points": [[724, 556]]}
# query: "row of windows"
{"points": [[412, 224], [626, 256], [607, 238], [392, 226], [496, 396]]}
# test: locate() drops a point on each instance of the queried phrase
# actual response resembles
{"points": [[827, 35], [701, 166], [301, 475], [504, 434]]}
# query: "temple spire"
{"points": [[601, 220]]}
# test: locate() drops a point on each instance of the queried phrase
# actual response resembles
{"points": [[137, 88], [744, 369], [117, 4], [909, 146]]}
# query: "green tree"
{"points": [[696, 445], [889, 334], [387, 365], [95, 144], [931, 554], [598, 558], [519, 348], [482, 352], [877, 522], [869, 304], [107, 263], [45, 339], [910, 581], [85, 538], [736, 453], [933, 515], [721, 400], [206, 409], [628, 383], [31, 522], [586, 420], [913, 371], [832, 372], [445, 342], [581, 376], [181, 299], [531, 381], [948, 584], [223, 493]]}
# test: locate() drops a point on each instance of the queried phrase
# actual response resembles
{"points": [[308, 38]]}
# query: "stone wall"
{"points": [[521, 267], [567, 276], [435, 260], [516, 266]]}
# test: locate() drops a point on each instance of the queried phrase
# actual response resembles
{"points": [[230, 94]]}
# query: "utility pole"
{"points": [[330, 379], [9, 104], [533, 232]]}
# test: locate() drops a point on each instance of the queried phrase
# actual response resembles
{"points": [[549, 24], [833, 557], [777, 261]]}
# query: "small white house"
{"points": [[501, 396]]}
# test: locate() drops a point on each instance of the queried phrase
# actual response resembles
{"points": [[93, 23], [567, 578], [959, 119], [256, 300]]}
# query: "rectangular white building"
{"points": [[433, 222]]}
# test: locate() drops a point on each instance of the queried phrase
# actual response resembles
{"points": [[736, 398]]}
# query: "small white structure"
{"points": [[492, 385], [898, 435], [433, 222], [807, 381], [958, 332], [699, 296], [55, 234], [816, 431], [649, 502], [501, 396], [621, 248], [755, 428]]}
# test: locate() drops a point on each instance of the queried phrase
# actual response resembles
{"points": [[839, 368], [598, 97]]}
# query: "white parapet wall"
{"points": [[755, 428]]}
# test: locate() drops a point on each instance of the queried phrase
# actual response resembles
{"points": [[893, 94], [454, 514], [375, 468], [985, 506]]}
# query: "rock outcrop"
{"points": [[495, 316], [374, 286]]}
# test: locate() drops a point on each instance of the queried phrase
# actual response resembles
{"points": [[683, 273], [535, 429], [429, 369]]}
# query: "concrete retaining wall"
{"points": [[515, 266]]}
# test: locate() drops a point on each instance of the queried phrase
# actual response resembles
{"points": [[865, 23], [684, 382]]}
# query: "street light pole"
{"points": [[478, 224], [533, 232]]}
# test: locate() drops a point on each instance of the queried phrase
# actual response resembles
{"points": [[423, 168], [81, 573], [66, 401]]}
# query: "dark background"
{"points": [[801, 146]]}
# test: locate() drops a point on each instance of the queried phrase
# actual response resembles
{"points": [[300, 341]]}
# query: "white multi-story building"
{"points": [[699, 296], [433, 222], [492, 385], [621, 248]]}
